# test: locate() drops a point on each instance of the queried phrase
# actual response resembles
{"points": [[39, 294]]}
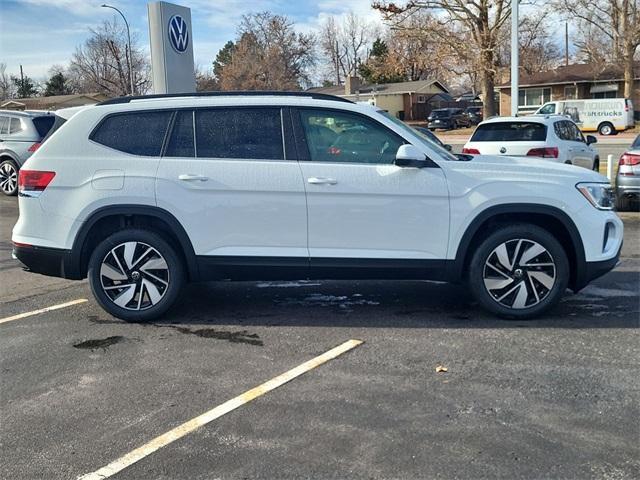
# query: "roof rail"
{"points": [[230, 93]]}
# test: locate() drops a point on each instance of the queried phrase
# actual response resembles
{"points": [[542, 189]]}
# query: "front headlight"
{"points": [[600, 195]]}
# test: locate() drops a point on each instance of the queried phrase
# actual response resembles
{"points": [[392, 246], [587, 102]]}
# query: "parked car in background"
{"points": [[607, 116], [20, 135], [474, 114], [448, 119], [244, 186], [432, 137], [552, 137], [628, 177]]}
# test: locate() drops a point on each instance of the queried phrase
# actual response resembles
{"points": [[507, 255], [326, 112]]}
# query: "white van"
{"points": [[607, 116]]}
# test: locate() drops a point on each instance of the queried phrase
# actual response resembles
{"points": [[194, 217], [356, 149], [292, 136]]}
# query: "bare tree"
{"points": [[6, 85], [205, 80], [344, 45], [269, 55], [101, 63], [471, 28], [538, 49], [616, 24]]}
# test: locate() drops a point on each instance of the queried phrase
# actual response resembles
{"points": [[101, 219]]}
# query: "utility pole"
{"points": [[514, 58], [21, 81], [566, 44], [129, 57], [337, 65]]}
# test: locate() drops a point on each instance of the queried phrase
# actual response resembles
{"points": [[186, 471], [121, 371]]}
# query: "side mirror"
{"points": [[410, 156], [447, 147], [591, 139]]}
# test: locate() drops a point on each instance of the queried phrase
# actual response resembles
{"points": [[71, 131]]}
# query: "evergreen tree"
{"points": [[57, 85], [25, 87]]}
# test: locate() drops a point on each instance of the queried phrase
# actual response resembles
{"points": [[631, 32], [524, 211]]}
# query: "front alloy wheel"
{"points": [[519, 273], [8, 177]]}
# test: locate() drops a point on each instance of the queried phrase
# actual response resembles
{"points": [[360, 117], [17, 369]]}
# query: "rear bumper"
{"points": [[627, 186], [53, 262]]}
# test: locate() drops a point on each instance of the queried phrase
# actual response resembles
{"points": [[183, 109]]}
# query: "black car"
{"points": [[474, 114], [448, 118]]}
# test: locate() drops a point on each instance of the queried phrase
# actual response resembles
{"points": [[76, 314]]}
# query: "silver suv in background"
{"points": [[628, 177], [20, 135]]}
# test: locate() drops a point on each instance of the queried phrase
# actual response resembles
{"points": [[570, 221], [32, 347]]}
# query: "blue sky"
{"points": [[41, 33]]}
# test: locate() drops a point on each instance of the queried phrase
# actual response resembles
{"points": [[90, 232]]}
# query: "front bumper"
{"points": [[442, 124], [593, 270], [53, 262]]}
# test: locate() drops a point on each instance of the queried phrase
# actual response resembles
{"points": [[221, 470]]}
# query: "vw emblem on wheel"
{"points": [[178, 33], [503, 150]]}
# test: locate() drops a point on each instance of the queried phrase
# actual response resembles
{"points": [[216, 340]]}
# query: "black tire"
{"points": [[147, 285], [606, 128], [454, 126], [596, 165], [521, 276], [9, 177]]}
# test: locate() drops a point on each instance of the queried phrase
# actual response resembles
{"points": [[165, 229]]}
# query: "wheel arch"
{"points": [[116, 217], [552, 219]]}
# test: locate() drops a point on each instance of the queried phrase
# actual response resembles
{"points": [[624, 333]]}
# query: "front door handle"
{"points": [[192, 177], [321, 181]]}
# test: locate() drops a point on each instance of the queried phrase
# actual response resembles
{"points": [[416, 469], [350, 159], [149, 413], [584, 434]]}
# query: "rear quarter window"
{"points": [[510, 132], [137, 133]]}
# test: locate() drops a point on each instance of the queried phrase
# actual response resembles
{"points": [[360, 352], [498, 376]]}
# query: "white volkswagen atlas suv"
{"points": [[553, 137], [143, 194]]}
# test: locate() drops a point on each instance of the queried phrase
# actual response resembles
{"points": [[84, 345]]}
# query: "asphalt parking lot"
{"points": [[556, 397]]}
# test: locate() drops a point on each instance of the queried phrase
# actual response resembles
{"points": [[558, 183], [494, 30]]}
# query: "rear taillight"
{"points": [[544, 152], [31, 183], [628, 160], [34, 147], [471, 151]]}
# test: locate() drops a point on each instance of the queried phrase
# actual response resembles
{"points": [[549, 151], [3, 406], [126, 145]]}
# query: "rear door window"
{"points": [[243, 133], [43, 124], [15, 125], [510, 132], [137, 133]]}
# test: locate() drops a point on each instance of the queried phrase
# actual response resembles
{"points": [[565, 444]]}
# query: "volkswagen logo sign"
{"points": [[178, 33], [503, 150]]}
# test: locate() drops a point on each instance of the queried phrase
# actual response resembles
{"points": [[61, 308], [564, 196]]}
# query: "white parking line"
{"points": [[42, 310], [230, 405]]}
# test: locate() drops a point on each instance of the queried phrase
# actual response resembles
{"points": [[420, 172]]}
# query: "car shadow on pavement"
{"points": [[611, 302]]}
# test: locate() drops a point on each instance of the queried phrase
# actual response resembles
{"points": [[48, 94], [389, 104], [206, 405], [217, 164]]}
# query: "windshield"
{"points": [[636, 142], [430, 144], [440, 113]]}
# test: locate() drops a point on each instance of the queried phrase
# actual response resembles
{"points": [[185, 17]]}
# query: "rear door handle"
{"points": [[321, 181], [192, 177]]}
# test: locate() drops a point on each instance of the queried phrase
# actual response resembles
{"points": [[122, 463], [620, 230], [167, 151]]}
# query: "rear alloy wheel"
{"points": [[135, 275], [9, 177], [519, 271], [606, 129]]}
